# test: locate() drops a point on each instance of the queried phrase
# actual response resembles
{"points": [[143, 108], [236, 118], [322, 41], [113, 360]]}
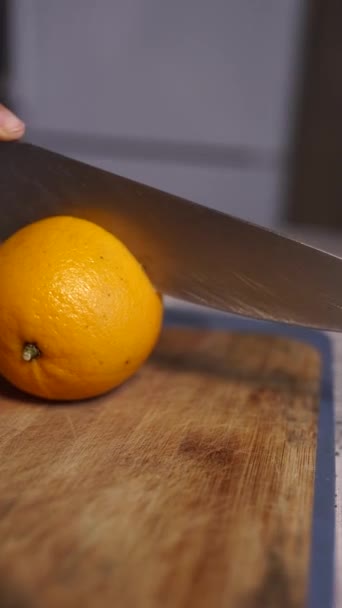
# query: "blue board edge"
{"points": [[321, 577]]}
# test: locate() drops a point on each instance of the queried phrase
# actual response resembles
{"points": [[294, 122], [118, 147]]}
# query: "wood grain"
{"points": [[191, 486]]}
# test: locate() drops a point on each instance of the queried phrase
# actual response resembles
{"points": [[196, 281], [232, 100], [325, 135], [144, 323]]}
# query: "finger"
{"points": [[11, 127]]}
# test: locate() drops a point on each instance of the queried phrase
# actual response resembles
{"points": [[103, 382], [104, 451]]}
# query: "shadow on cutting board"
{"points": [[226, 363]]}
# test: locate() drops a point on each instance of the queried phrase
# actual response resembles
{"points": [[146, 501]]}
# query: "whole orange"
{"points": [[78, 314]]}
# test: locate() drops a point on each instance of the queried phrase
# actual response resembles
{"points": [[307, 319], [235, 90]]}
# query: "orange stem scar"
{"points": [[30, 352]]}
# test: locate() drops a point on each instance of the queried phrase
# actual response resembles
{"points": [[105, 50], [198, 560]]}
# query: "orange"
{"points": [[78, 314]]}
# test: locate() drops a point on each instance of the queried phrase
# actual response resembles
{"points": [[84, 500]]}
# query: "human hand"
{"points": [[11, 127]]}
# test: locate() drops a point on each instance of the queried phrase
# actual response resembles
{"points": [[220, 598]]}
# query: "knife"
{"points": [[189, 251]]}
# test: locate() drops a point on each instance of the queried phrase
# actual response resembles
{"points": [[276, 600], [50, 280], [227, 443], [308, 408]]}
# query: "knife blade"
{"points": [[189, 251]]}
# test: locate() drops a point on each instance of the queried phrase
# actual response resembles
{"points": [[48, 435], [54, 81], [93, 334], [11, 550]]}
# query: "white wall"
{"points": [[217, 73]]}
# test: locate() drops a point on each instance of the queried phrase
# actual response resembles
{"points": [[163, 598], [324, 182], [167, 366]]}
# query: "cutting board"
{"points": [[189, 487]]}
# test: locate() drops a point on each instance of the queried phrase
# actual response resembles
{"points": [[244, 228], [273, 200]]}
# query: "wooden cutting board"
{"points": [[189, 487]]}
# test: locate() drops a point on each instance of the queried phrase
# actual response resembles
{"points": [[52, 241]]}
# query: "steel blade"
{"points": [[190, 252]]}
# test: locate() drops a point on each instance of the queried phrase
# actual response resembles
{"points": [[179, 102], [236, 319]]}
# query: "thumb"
{"points": [[11, 127]]}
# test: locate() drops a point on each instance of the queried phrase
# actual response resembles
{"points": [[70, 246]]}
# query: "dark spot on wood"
{"points": [[11, 596], [209, 450], [127, 362], [106, 566], [275, 588], [259, 395], [101, 257], [6, 506]]}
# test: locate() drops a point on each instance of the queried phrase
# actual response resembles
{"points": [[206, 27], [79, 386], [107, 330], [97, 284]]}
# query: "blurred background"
{"points": [[235, 104]]}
